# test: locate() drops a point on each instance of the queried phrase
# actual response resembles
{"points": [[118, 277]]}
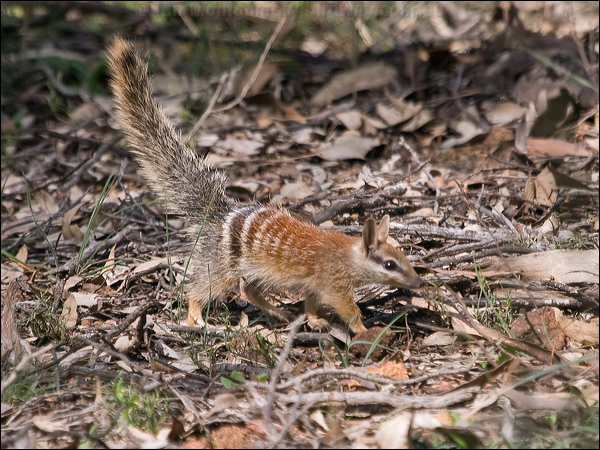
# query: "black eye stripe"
{"points": [[390, 265], [387, 264]]}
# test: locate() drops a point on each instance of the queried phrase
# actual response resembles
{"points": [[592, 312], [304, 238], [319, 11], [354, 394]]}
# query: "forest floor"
{"points": [[474, 125]]}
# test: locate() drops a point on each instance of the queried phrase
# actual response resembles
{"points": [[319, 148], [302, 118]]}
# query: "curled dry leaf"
{"points": [[395, 433], [543, 327], [265, 74], [347, 146], [150, 264], [208, 140], [127, 344], [547, 401], [391, 369], [503, 113], [22, 254], [72, 282], [314, 46], [551, 226], [368, 76], [553, 327], [417, 121], [71, 232], [440, 338], [565, 181], [13, 347], [223, 402], [466, 128], [85, 299], [303, 136], [395, 115], [244, 147], [292, 192], [69, 311], [351, 119], [47, 424], [554, 147], [545, 189]]}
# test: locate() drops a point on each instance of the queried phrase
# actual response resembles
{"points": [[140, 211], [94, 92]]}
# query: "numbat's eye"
{"points": [[389, 265]]}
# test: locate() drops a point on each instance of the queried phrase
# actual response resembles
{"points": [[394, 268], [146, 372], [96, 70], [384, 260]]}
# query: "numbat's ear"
{"points": [[369, 236], [383, 230]]}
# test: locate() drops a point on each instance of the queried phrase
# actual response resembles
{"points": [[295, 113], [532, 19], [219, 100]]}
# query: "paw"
{"points": [[317, 323], [357, 327], [195, 321], [281, 316]]}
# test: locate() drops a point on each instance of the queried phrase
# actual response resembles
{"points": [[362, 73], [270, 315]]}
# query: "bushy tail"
{"points": [[176, 174]]}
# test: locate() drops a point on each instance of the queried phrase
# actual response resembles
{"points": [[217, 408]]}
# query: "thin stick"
{"points": [[294, 326], [248, 85], [210, 106]]}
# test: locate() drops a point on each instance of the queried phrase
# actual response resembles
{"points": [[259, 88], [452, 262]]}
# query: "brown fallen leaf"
{"points": [[503, 113], [553, 401], [395, 432], [552, 327], [565, 181], [22, 254], [71, 232], [541, 327], [224, 401], [391, 369], [351, 119], [347, 146], [368, 76], [244, 147], [69, 312], [440, 338], [13, 347], [393, 115], [554, 147], [464, 322], [265, 74], [545, 188]]}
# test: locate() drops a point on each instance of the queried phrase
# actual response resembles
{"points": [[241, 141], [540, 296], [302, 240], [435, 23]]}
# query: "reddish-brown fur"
{"points": [[264, 246]]}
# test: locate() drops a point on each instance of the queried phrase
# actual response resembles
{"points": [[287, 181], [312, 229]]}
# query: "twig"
{"points": [[248, 85], [22, 366], [417, 159], [534, 376], [432, 231], [294, 327], [97, 246], [383, 398], [196, 330], [118, 330], [295, 412], [210, 106], [77, 173], [495, 251], [115, 354], [370, 377], [63, 88], [185, 18]]}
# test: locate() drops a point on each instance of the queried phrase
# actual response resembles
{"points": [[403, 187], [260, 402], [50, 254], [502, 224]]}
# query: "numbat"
{"points": [[264, 246]]}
